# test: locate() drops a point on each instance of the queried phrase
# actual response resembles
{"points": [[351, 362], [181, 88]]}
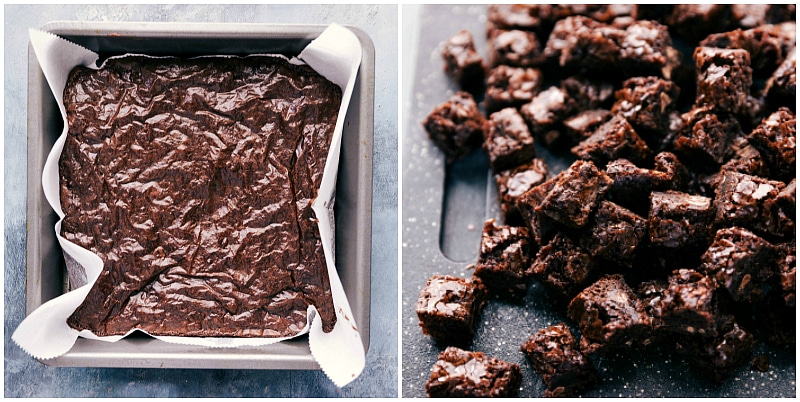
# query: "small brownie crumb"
{"points": [[461, 373], [503, 261], [511, 87], [463, 63], [513, 183], [609, 315], [456, 126], [508, 141], [563, 267], [554, 353], [449, 308]]}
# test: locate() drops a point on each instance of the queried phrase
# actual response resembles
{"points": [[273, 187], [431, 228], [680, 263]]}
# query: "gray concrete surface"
{"points": [[26, 377]]}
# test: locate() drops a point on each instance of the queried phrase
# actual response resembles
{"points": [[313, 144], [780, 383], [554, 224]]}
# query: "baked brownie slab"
{"points": [[193, 181]]}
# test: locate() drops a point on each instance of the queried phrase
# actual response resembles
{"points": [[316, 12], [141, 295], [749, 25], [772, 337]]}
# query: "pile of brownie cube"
{"points": [[674, 226]]}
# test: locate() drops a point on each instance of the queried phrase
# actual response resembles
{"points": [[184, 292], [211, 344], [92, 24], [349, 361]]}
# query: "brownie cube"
{"points": [[503, 260], [706, 138], [740, 199], [693, 22], [514, 48], [778, 213], [767, 45], [781, 88], [718, 357], [563, 267], [787, 271], [511, 87], [554, 353], [724, 78], [513, 183], [529, 17], [461, 373], [651, 293], [541, 226], [609, 315], [449, 308], [669, 163], [577, 42], [508, 141], [740, 262], [775, 139], [544, 113], [749, 15], [463, 63], [655, 12], [617, 15], [456, 126], [583, 125], [777, 322], [632, 185], [746, 159], [614, 234], [647, 102], [574, 194], [680, 221], [614, 139], [753, 15], [584, 93], [691, 305]]}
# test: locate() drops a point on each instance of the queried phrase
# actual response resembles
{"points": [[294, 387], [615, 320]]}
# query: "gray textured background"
{"points": [[26, 377]]}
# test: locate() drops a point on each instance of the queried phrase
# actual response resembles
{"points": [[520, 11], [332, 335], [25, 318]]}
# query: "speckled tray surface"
{"points": [[443, 213]]}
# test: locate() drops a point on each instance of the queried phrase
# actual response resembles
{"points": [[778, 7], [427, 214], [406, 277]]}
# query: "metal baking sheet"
{"points": [[443, 213], [353, 208]]}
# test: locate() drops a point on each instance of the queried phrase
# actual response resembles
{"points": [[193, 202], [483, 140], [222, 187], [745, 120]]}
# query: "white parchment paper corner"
{"points": [[336, 54]]}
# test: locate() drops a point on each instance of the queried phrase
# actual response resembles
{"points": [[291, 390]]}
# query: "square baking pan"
{"points": [[46, 270]]}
